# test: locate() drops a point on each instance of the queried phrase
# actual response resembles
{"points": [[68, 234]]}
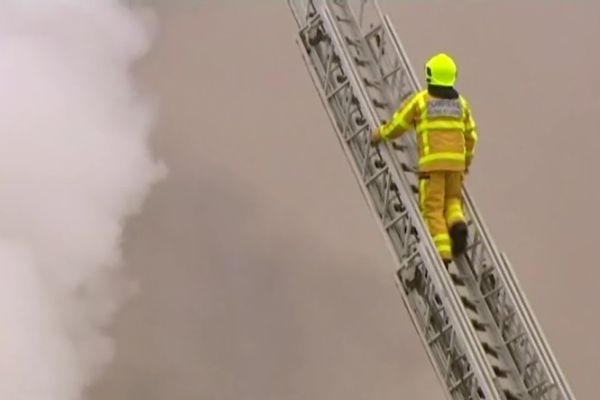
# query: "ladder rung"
{"points": [[461, 381], [539, 386], [493, 291], [548, 387], [373, 31], [438, 335], [407, 260], [346, 20], [338, 89], [514, 338], [509, 316], [439, 308], [392, 72], [395, 220], [313, 19], [457, 359], [376, 175], [529, 365], [355, 133], [474, 244], [318, 37]]}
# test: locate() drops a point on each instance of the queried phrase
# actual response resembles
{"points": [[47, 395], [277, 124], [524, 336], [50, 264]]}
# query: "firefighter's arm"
{"points": [[470, 136], [401, 121]]}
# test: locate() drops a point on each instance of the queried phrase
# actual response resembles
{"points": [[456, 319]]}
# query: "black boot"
{"points": [[446, 262], [458, 234]]}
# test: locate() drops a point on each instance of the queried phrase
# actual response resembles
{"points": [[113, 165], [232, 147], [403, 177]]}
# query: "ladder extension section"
{"points": [[479, 331]]}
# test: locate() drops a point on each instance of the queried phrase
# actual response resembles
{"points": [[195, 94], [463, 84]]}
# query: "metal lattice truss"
{"points": [[477, 327]]}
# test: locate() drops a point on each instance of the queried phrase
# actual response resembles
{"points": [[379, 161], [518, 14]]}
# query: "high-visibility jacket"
{"points": [[445, 128]]}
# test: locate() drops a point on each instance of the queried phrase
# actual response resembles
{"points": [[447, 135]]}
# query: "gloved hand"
{"points": [[375, 137]]}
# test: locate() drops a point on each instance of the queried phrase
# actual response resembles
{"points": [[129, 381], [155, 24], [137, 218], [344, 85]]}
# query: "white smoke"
{"points": [[74, 164]]}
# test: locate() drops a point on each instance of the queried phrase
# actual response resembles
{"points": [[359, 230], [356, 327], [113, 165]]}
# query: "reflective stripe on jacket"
{"points": [[445, 128]]}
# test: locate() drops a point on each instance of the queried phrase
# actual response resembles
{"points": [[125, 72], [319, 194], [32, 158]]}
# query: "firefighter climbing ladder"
{"points": [[475, 323]]}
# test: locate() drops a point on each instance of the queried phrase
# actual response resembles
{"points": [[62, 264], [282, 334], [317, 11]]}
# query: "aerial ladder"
{"points": [[473, 319]]}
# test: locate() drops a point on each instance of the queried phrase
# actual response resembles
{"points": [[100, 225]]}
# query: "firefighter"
{"points": [[446, 138]]}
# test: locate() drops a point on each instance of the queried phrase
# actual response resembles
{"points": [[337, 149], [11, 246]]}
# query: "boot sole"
{"points": [[458, 234]]}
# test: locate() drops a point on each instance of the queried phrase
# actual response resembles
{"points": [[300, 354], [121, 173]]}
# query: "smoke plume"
{"points": [[74, 165]]}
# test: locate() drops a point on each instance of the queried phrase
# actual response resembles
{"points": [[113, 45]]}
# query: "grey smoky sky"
{"points": [[262, 273]]}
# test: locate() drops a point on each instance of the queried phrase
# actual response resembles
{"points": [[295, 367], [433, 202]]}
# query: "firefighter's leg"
{"points": [[454, 215], [432, 194]]}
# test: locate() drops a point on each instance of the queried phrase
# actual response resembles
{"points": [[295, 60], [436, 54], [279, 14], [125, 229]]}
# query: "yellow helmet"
{"points": [[441, 70]]}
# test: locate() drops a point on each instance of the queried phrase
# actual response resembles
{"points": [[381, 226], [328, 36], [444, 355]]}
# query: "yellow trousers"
{"points": [[440, 199]]}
